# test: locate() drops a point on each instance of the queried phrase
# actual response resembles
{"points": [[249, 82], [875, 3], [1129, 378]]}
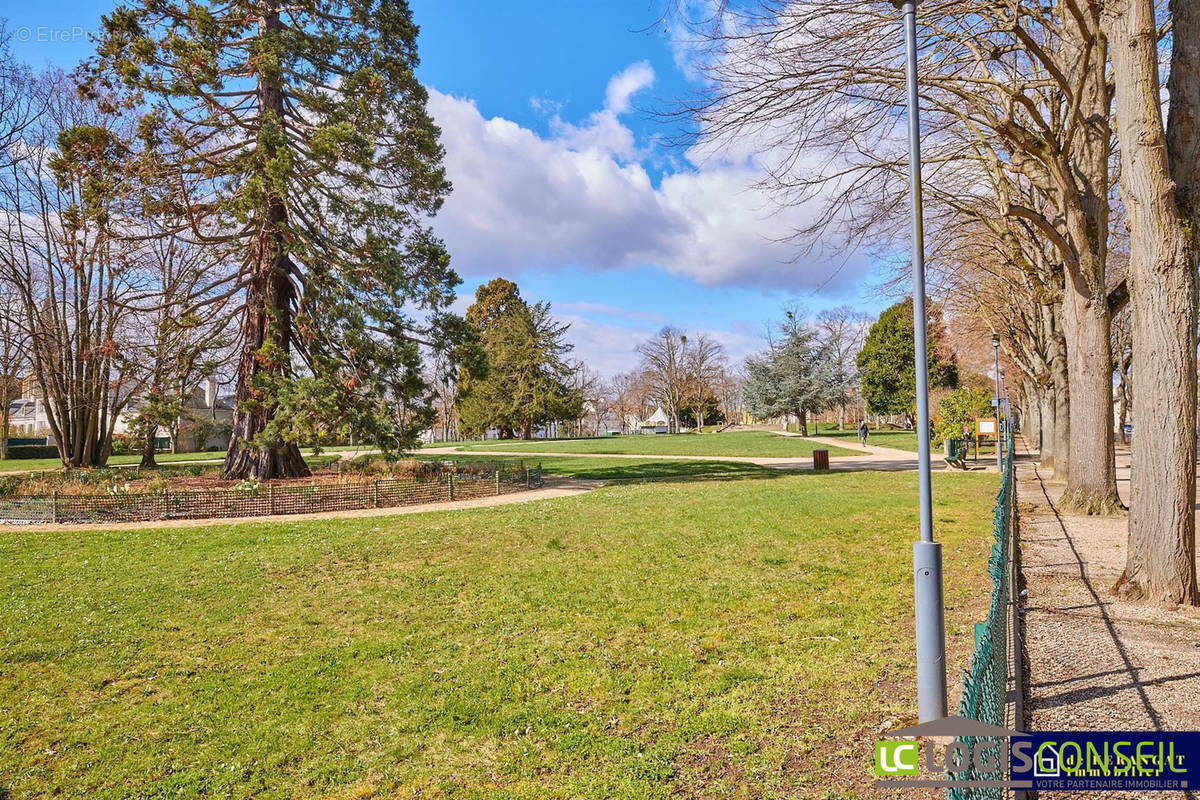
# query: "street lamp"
{"points": [[996, 351], [927, 554]]}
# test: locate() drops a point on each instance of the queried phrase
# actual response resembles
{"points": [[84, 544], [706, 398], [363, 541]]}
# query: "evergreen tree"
{"points": [[303, 144], [528, 379], [887, 366], [797, 375]]}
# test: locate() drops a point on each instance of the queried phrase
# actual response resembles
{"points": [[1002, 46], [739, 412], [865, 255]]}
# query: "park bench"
{"points": [[956, 453]]}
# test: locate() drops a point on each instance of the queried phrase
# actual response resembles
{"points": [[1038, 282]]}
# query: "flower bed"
{"points": [[149, 498]]}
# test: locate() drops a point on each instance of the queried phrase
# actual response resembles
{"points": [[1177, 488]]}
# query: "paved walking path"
{"points": [[1098, 662]]}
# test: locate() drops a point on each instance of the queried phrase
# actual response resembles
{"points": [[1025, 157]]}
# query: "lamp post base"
{"points": [[931, 631]]}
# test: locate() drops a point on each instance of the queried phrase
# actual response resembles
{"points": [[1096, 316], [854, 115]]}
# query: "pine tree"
{"points": [[302, 138], [527, 379], [797, 375]]}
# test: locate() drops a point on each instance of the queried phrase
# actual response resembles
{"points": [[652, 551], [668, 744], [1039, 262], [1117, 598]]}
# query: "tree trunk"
{"points": [[266, 329], [148, 450], [1161, 560], [802, 421], [1060, 405], [4, 386], [1092, 478], [1082, 184], [1032, 400]]}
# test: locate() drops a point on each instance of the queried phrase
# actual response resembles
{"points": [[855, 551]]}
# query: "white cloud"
{"points": [[580, 197], [624, 85], [603, 310]]}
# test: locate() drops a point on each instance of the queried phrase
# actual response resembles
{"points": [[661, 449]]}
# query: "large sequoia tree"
{"points": [[303, 144]]}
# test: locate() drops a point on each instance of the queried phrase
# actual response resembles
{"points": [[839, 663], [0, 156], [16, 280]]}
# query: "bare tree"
{"points": [[630, 396], [705, 364], [842, 331], [443, 378], [1122, 345], [729, 395], [594, 392], [14, 359], [665, 365], [185, 334], [64, 257], [1014, 89]]}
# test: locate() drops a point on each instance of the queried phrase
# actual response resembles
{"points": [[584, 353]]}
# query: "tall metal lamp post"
{"points": [[927, 554], [996, 350]]}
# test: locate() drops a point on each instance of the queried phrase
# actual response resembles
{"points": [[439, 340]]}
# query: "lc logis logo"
{"points": [[897, 758]]}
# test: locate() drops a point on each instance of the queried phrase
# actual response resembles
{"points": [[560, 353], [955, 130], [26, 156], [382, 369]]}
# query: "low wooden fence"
{"points": [[117, 505]]}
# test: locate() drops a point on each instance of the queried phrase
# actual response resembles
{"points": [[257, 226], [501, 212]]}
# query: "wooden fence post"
{"points": [[375, 494], [450, 484]]}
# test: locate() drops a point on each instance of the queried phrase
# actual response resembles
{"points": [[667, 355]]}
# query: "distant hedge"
{"points": [[33, 451]]}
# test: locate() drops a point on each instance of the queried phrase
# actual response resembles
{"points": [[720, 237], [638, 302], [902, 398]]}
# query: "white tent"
{"points": [[659, 417]]}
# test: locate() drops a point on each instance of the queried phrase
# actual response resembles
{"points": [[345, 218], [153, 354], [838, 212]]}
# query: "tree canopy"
{"points": [[886, 361], [297, 137], [527, 381], [797, 375]]}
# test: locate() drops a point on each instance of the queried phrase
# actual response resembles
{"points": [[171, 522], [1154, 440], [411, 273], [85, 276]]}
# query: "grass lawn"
{"points": [[901, 440], [742, 443], [30, 464], [623, 469], [743, 638]]}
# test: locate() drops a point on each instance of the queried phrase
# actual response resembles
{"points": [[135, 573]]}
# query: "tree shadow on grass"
{"points": [[676, 471]]}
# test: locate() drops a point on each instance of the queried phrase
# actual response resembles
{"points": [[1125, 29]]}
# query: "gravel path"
{"points": [[1097, 662]]}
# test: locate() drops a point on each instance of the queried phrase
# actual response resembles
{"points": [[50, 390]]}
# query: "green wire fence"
{"points": [[985, 682]]}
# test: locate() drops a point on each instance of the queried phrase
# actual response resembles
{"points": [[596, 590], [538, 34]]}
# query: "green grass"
{"points": [[30, 464], [742, 443], [731, 639], [623, 469], [900, 440]]}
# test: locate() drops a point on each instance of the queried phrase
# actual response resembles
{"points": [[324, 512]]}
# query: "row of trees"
{"points": [[525, 381], [1057, 196], [521, 378]]}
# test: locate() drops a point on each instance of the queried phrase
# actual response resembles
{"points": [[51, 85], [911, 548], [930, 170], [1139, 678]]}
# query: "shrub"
{"points": [[9, 485], [958, 408], [122, 444]]}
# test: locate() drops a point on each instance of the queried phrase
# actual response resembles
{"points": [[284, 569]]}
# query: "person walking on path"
{"points": [[862, 432]]}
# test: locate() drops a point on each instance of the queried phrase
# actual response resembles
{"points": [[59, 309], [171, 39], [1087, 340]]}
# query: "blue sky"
{"points": [[564, 181]]}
